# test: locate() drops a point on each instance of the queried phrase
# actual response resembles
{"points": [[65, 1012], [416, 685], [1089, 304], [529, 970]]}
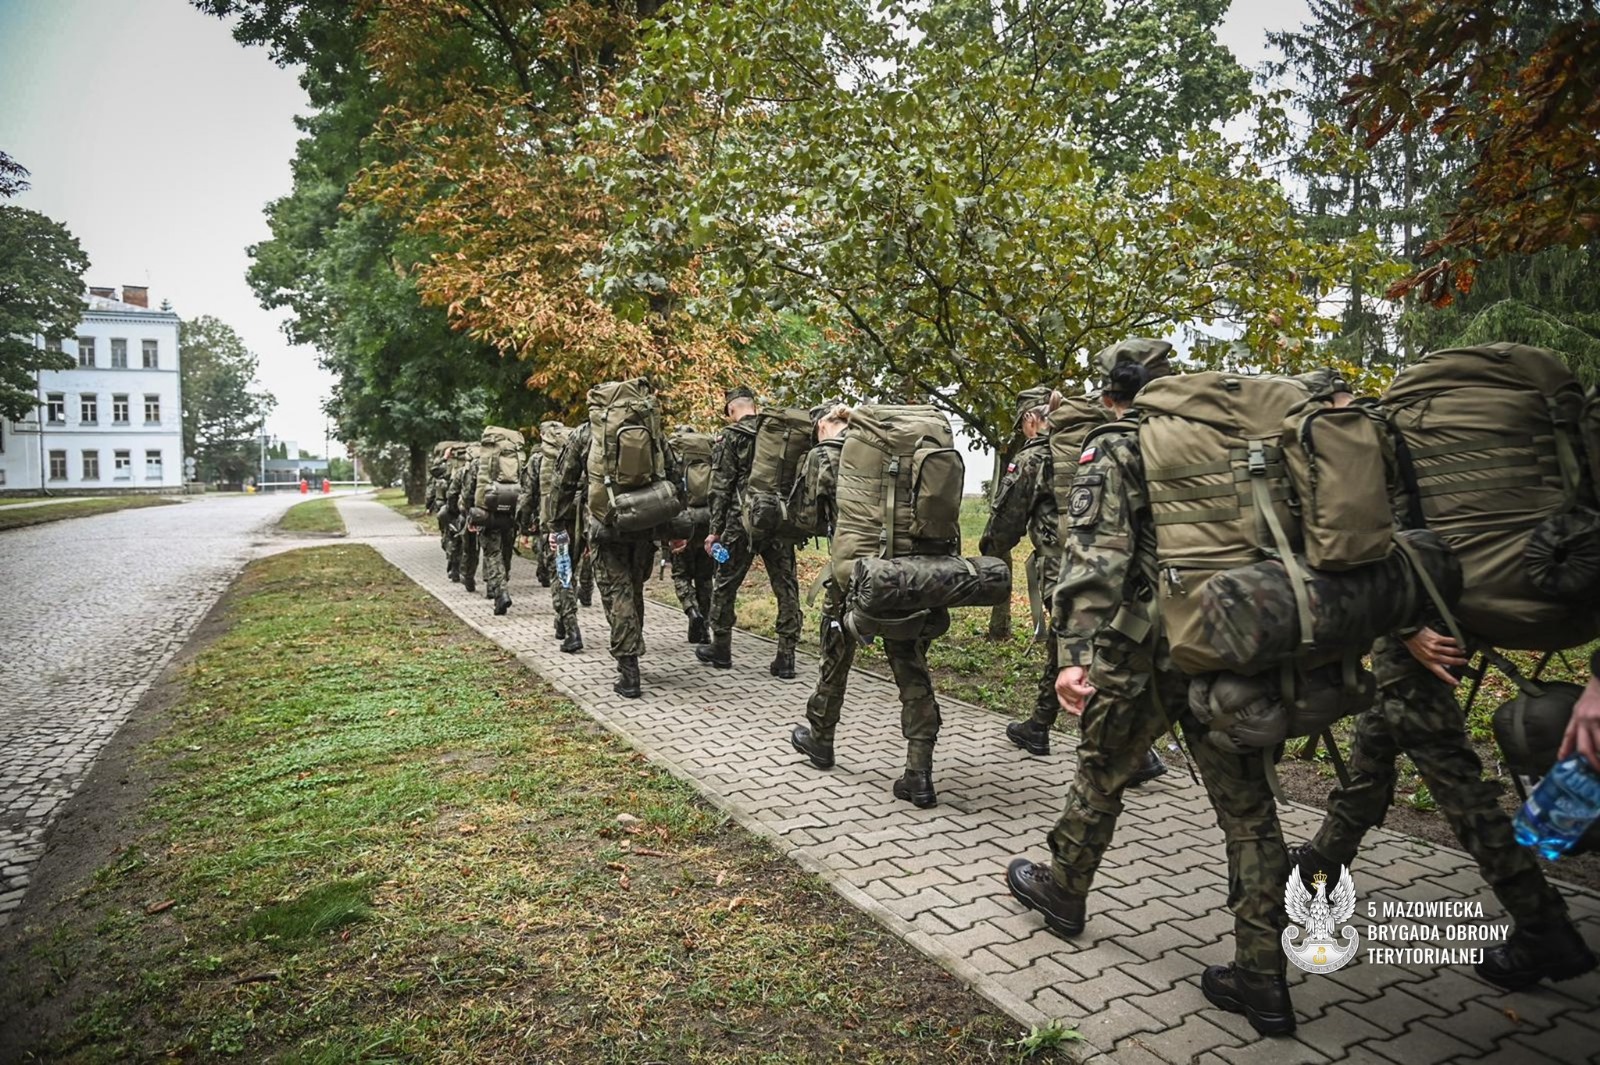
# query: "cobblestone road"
{"points": [[1131, 982], [93, 609]]}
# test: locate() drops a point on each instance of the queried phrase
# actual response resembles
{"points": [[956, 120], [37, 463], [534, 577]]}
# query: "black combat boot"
{"points": [[916, 788], [561, 628], [1032, 885], [627, 684], [820, 753], [1264, 1000], [1550, 951], [1030, 736], [468, 583], [719, 652], [544, 578], [1310, 862], [697, 625], [586, 597], [502, 602], [487, 594], [453, 573], [783, 665], [573, 642], [1153, 767]]}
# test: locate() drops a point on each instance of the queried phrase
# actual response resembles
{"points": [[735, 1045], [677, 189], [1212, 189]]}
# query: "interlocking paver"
{"points": [[1130, 981]]}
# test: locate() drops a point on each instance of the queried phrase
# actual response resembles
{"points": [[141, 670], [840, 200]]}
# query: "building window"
{"points": [[122, 464], [89, 408], [152, 465], [58, 465], [55, 408], [86, 351], [119, 409], [53, 346], [150, 360], [91, 465], [119, 354], [152, 408]]}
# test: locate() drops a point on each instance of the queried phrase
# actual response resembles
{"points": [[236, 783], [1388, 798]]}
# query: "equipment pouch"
{"points": [[1336, 461], [635, 464], [937, 478]]}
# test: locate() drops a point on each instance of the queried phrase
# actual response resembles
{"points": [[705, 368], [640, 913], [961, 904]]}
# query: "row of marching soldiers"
{"points": [[1216, 554]]}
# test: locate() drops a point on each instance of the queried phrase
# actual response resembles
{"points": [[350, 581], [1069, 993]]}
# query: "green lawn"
{"points": [[375, 837], [395, 499], [17, 515], [313, 516]]}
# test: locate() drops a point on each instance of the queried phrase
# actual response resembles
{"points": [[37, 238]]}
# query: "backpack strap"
{"points": [[1267, 513], [886, 530]]}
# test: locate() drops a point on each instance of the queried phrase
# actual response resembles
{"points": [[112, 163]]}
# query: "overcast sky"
{"points": [[157, 140]]}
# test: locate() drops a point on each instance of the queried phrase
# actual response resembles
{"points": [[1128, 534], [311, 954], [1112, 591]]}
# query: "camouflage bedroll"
{"points": [[1244, 713], [886, 586], [1250, 620]]}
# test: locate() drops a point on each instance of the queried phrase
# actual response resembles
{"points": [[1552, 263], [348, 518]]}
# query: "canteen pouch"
{"points": [[1563, 556], [1335, 457], [645, 508], [937, 478]]}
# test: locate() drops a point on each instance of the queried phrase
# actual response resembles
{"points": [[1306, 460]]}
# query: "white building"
{"points": [[113, 423]]}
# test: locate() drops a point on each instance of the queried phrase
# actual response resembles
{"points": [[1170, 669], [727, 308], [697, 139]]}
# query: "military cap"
{"points": [[1144, 351], [740, 392], [1029, 398], [823, 409]]}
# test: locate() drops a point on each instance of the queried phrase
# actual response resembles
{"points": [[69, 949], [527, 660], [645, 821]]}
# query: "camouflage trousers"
{"points": [[908, 662], [497, 546], [467, 555], [780, 563], [447, 541], [693, 574], [1046, 707], [544, 560], [620, 570], [1417, 715], [564, 601]]}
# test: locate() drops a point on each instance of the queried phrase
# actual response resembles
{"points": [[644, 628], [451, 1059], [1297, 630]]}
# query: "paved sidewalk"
{"points": [[1131, 982]]}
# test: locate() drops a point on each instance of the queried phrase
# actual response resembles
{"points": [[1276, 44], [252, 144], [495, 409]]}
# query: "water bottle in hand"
{"points": [[563, 560], [719, 553], [1561, 808]]}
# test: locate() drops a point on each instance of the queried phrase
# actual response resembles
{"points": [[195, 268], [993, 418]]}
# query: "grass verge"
{"points": [[314, 516], [375, 837], [395, 500], [19, 515]]}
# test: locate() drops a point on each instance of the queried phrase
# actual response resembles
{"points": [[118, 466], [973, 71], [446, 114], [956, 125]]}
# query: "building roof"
{"points": [[107, 305]]}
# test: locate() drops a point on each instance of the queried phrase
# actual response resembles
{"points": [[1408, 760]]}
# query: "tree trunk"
{"points": [[416, 474], [1000, 614]]}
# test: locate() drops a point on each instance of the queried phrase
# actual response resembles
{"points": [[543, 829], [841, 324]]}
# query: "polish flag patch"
{"points": [[1087, 457]]}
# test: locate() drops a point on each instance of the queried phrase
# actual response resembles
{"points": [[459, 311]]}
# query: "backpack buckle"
{"points": [[1258, 459]]}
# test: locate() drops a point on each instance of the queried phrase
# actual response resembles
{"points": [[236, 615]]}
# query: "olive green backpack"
{"points": [[1069, 425], [499, 484], [899, 489], [783, 438], [693, 450], [628, 487], [1497, 442]]}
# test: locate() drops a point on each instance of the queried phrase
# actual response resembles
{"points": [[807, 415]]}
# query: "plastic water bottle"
{"points": [[719, 553], [563, 560], [1561, 808]]}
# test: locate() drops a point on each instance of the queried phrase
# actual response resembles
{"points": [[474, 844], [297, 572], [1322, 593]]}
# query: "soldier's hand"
{"points": [[1437, 652], [711, 542], [526, 543], [1073, 689], [677, 546], [1583, 731]]}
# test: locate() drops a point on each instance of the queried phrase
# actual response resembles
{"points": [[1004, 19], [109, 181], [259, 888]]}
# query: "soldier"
{"points": [[1025, 502], [440, 504], [497, 535], [462, 484], [563, 597], [621, 562], [908, 660], [734, 456], [528, 517], [1104, 602]]}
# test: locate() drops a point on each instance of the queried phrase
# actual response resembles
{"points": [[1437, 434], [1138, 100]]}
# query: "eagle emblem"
{"points": [[1320, 913]]}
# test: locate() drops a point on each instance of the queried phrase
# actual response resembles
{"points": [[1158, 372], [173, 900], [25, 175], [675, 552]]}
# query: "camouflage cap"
{"points": [[1144, 351], [739, 392], [1029, 398]]}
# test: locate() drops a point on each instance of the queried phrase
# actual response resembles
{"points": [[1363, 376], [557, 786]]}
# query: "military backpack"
{"points": [[499, 486], [629, 491], [812, 510], [694, 451], [1068, 426], [783, 437]]}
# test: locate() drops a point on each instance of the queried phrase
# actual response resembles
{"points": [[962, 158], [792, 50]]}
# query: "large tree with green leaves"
{"points": [[224, 407]]}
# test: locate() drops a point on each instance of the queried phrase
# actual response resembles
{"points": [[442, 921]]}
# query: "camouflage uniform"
{"points": [[462, 486], [733, 458], [439, 503], [1103, 615], [556, 512], [1025, 502], [908, 662], [693, 573], [528, 518]]}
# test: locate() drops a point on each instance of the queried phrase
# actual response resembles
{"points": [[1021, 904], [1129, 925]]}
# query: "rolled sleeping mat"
{"points": [[645, 508], [1249, 618], [884, 587]]}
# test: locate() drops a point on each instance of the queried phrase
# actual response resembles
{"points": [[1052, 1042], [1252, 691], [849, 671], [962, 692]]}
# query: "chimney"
{"points": [[108, 293], [138, 295]]}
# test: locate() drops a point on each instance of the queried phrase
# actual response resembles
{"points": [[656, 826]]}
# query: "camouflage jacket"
{"points": [[438, 487], [1025, 503], [527, 521], [1107, 589], [464, 485], [732, 455]]}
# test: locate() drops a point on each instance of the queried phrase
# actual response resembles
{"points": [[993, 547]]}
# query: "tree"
{"points": [[224, 408], [41, 294], [1515, 84]]}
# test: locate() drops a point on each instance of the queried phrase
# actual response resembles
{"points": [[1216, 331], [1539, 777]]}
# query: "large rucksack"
{"points": [[499, 486], [694, 453], [783, 437], [812, 508], [628, 487], [1495, 443], [1068, 426]]}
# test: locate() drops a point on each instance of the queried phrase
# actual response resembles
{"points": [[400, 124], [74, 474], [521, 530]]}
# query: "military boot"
{"points": [[586, 597], [697, 625], [502, 602], [718, 653], [1264, 1000], [783, 665], [573, 642], [1030, 736], [561, 628], [1032, 885], [453, 572], [1153, 767], [1550, 951], [915, 786], [1309, 861], [487, 594], [468, 583], [820, 753], [627, 684]]}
